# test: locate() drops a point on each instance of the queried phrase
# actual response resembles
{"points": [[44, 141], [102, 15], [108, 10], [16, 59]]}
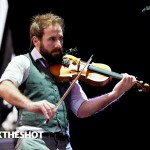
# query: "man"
{"points": [[28, 84]]}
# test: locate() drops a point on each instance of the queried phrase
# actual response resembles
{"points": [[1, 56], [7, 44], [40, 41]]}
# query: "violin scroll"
{"points": [[142, 87]]}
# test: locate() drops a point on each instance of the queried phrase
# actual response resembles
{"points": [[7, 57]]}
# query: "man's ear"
{"points": [[35, 41]]}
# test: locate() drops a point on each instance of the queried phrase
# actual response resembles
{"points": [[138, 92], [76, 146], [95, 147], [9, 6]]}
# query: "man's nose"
{"points": [[58, 44]]}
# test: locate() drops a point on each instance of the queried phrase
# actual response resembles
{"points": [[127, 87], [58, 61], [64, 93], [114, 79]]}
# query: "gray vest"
{"points": [[41, 86]]}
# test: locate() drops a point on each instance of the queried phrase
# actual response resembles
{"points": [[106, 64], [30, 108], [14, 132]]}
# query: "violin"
{"points": [[95, 74]]}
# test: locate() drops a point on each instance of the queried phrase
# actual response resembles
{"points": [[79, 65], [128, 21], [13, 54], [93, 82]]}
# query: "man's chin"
{"points": [[56, 57]]}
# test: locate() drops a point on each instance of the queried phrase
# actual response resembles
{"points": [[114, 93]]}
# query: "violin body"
{"points": [[68, 73]]}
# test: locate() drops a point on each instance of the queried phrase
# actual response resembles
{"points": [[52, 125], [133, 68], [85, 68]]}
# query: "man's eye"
{"points": [[53, 39], [61, 39]]}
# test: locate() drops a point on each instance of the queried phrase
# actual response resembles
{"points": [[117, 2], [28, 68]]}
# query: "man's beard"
{"points": [[52, 58]]}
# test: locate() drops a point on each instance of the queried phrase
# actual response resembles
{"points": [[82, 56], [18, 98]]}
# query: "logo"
{"points": [[20, 134]]}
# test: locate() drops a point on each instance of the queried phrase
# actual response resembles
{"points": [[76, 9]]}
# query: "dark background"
{"points": [[117, 33]]}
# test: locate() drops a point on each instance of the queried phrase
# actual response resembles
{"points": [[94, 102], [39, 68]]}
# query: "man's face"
{"points": [[51, 44]]}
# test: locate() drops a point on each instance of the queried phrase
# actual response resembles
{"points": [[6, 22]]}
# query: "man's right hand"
{"points": [[42, 107]]}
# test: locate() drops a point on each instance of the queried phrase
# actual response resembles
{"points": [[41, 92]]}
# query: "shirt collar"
{"points": [[36, 55]]}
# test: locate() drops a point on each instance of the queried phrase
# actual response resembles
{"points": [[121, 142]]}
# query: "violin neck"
{"points": [[104, 72]]}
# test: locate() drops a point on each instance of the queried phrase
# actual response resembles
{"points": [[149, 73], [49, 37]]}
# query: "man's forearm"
{"points": [[12, 95], [96, 104]]}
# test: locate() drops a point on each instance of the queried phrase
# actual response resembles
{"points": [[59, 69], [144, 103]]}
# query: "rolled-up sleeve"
{"points": [[17, 70], [78, 96]]}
